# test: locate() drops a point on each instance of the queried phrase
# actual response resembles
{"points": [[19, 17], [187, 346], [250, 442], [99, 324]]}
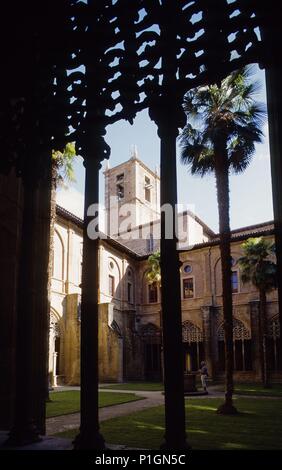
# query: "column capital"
{"points": [[93, 162]]}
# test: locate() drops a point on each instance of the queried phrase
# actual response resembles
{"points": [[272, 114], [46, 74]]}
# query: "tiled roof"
{"points": [[259, 230], [262, 229]]}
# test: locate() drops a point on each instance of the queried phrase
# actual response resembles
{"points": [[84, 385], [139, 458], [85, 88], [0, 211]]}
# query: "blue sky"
{"points": [[250, 192]]}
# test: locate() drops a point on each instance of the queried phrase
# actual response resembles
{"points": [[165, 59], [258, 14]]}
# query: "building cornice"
{"points": [[237, 235]]}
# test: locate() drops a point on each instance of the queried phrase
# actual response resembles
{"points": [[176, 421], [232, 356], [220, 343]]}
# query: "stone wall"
{"points": [[110, 348]]}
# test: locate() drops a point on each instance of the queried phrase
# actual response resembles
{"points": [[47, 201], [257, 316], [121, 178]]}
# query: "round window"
{"points": [[188, 268], [111, 264], [233, 261]]}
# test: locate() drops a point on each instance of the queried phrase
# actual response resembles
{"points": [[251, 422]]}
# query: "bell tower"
{"points": [[132, 195]]}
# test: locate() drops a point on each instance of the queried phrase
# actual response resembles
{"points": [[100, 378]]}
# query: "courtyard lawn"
{"points": [[142, 386], [258, 426], [69, 402], [259, 390]]}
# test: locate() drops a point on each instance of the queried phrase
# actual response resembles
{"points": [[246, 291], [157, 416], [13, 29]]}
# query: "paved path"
{"points": [[151, 399]]}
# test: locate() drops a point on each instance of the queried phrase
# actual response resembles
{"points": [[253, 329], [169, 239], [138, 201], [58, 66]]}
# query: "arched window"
{"points": [[235, 282], [130, 285], [113, 278], [54, 347], [273, 344], [192, 337], [58, 257], [242, 346], [153, 292], [151, 337]]}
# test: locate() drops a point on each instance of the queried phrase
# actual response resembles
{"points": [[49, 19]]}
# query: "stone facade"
{"points": [[130, 312], [135, 185], [130, 342]]}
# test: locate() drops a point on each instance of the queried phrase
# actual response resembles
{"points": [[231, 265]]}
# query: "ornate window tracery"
{"points": [[273, 343], [191, 333], [242, 354], [192, 337]]}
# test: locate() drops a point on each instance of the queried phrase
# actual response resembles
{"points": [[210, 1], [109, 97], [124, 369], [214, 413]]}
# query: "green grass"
{"points": [[69, 402], [259, 390], [142, 386], [258, 426]]}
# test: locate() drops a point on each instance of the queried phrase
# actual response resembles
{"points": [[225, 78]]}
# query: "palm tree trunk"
{"points": [[50, 266], [222, 185], [263, 345]]}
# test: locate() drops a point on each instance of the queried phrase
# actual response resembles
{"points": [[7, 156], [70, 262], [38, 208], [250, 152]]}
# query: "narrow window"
{"points": [[129, 292], [147, 189], [234, 282], [120, 191], [188, 288], [111, 285], [153, 292]]}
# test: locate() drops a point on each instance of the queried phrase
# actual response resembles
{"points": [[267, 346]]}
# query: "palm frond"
{"points": [[256, 265], [213, 111]]}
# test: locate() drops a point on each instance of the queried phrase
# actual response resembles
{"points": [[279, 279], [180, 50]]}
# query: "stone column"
{"points": [[24, 430], [207, 338], [256, 338], [271, 36], [89, 436], [55, 357], [175, 437], [164, 110], [11, 214], [42, 290]]}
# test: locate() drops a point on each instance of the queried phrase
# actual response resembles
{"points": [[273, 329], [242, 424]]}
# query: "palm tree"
{"points": [[154, 273], [257, 268], [223, 124], [62, 163], [62, 175], [153, 276]]}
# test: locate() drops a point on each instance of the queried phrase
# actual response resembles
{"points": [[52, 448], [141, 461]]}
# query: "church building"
{"points": [[130, 323]]}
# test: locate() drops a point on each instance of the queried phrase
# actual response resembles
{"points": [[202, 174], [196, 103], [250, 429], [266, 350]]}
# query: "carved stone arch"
{"points": [[151, 338], [240, 332], [150, 330], [236, 255], [144, 280], [130, 273], [55, 322], [116, 328], [62, 246], [191, 333], [130, 279], [216, 269], [145, 284], [56, 346], [115, 272], [113, 260], [273, 327]]}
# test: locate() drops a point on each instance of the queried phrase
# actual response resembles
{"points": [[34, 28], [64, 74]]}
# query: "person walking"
{"points": [[204, 374]]}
